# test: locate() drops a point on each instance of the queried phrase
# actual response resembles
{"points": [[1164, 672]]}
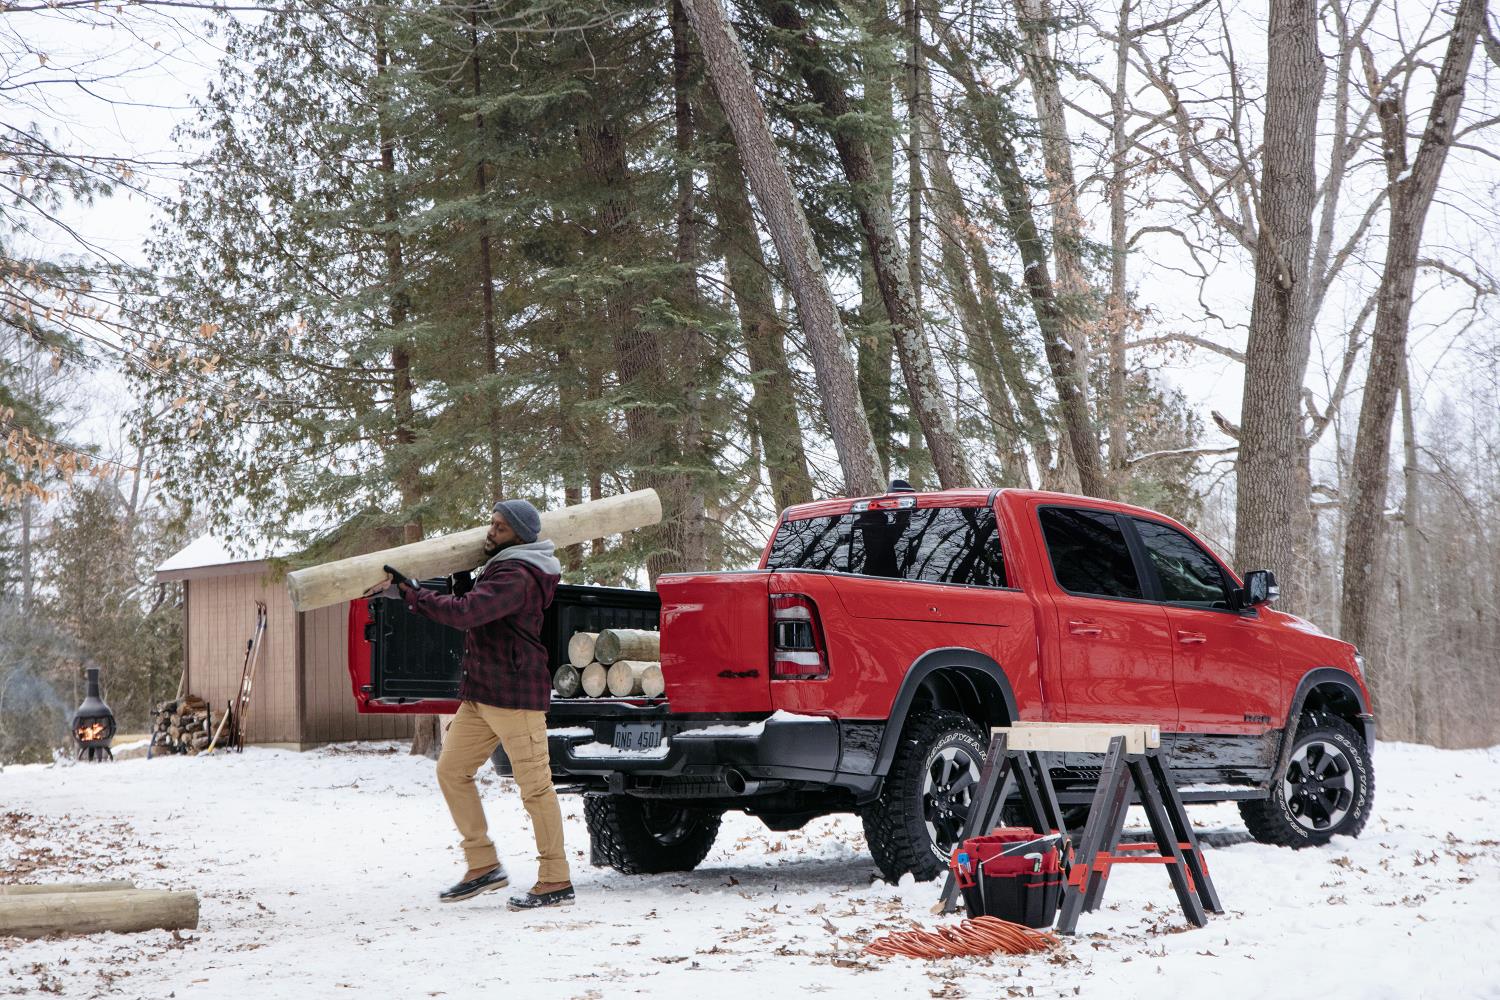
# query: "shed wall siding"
{"points": [[329, 712], [220, 620]]}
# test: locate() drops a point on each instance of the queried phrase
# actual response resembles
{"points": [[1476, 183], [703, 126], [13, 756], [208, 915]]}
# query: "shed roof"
{"points": [[208, 551]]}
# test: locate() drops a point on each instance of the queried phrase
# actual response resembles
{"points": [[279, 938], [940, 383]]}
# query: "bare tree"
{"points": [[730, 75], [1412, 182], [1266, 483], [887, 256]]}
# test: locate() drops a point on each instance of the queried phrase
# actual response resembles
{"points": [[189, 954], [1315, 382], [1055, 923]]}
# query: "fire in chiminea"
{"points": [[93, 722]]}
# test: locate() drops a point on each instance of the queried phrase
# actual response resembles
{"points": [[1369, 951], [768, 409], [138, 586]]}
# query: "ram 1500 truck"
{"points": [[859, 668]]}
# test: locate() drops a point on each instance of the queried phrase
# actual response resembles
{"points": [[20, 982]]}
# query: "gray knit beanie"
{"points": [[522, 517]]}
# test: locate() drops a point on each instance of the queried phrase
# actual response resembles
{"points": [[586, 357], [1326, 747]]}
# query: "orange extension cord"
{"points": [[979, 936]]}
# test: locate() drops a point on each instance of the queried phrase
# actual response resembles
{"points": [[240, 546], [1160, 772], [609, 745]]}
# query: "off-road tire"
{"points": [[646, 837], [895, 824], [1274, 821]]}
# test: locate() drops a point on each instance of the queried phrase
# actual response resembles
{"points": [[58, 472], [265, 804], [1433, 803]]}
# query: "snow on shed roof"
{"points": [[210, 550]]}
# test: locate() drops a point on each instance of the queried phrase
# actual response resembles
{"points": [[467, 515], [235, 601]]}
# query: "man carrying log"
{"points": [[506, 690]]}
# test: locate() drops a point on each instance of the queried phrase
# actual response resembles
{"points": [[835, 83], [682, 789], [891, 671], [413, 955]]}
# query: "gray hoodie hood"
{"points": [[538, 554]]}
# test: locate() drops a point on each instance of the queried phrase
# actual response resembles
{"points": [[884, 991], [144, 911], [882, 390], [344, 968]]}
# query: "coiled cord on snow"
{"points": [[979, 936]]}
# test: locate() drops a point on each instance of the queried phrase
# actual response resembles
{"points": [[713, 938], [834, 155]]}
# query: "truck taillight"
{"points": [[798, 652]]}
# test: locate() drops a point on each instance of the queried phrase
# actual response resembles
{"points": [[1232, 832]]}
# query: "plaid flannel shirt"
{"points": [[505, 662]]}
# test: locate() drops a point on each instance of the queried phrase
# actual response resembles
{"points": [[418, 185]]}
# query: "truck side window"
{"points": [[1089, 553], [1188, 575], [957, 545]]}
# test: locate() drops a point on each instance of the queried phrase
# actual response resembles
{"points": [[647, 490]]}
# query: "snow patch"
{"points": [[570, 731], [603, 751]]}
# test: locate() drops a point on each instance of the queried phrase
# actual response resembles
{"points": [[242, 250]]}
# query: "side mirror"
{"points": [[1260, 588]]}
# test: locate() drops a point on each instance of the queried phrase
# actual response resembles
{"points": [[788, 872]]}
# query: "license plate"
{"points": [[638, 736]]}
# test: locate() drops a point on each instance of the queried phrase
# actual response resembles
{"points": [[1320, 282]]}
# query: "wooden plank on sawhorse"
{"points": [[1176, 843]]}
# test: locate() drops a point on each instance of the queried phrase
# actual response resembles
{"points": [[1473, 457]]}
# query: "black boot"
{"points": [[495, 878], [534, 900]]}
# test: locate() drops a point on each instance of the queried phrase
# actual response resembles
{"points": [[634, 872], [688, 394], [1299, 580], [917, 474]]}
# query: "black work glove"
{"points": [[463, 582], [398, 577]]}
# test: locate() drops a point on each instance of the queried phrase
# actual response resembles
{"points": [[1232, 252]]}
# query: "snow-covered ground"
{"points": [[319, 874]]}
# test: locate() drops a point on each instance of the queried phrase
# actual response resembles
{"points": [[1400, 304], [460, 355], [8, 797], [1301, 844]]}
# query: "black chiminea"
{"points": [[94, 723]]}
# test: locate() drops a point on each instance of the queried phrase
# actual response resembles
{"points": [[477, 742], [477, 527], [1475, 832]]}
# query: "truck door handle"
{"points": [[1191, 638], [1084, 628]]}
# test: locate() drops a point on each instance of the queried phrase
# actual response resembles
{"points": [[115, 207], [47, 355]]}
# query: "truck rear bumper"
{"points": [[709, 758]]}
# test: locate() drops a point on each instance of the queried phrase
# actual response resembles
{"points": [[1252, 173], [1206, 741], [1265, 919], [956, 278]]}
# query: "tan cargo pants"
{"points": [[468, 742]]}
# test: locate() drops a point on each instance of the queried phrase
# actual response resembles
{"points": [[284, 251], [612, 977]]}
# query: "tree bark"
{"points": [[773, 399], [693, 526], [1074, 291], [1411, 192], [1116, 310], [893, 268], [486, 278], [1276, 355], [730, 76], [1068, 376], [122, 912]]}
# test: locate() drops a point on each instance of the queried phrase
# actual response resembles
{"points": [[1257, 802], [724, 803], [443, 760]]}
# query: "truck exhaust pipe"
{"points": [[739, 784]]}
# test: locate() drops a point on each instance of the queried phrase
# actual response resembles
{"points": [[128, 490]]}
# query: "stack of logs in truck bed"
{"points": [[621, 662]]}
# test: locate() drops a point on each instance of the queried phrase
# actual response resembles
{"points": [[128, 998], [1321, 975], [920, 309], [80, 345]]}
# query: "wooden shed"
{"points": [[301, 696]]}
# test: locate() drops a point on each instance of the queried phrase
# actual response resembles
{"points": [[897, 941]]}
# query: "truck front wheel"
{"points": [[1326, 790], [925, 801], [648, 836]]}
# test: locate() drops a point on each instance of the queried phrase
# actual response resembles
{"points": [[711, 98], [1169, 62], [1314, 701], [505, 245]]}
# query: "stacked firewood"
{"points": [[620, 662], [185, 726]]}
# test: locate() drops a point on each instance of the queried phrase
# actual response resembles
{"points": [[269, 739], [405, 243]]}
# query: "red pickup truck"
{"points": [[859, 668]]}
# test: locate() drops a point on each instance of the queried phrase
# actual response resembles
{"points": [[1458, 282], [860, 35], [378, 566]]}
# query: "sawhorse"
{"points": [[1131, 758]]}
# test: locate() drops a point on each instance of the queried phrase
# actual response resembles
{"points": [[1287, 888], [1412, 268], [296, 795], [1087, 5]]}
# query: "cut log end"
{"points": [[567, 681], [595, 679], [627, 678], [581, 648]]}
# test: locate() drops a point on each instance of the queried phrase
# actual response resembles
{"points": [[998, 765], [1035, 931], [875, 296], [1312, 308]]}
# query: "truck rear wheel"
{"points": [[648, 836], [925, 801], [1326, 790]]}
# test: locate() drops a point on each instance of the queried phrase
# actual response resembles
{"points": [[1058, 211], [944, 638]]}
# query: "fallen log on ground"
{"points": [[122, 911], [441, 555], [627, 644], [34, 890]]}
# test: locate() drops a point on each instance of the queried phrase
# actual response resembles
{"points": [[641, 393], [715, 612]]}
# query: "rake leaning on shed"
{"points": [[506, 690]]}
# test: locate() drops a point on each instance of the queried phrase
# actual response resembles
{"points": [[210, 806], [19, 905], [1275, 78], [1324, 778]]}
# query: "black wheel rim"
{"points": [[668, 825], [947, 794], [1318, 786]]}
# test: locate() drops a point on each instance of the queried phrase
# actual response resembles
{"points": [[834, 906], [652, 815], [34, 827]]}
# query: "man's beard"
{"points": [[492, 548]]}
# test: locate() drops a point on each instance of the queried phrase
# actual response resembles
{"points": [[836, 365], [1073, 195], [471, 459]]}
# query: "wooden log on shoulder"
{"points": [[595, 679], [347, 579], [626, 677], [90, 912], [627, 644], [653, 684], [567, 681], [119, 885]]}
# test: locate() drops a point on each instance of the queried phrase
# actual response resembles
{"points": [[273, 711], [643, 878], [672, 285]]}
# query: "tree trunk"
{"points": [[1074, 292], [953, 232], [1276, 354], [491, 405], [1116, 311], [1067, 374], [638, 351], [730, 75], [893, 270], [427, 730], [1411, 192], [1415, 630], [773, 400]]}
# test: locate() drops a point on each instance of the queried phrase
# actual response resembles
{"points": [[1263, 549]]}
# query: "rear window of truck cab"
{"points": [[932, 544]]}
